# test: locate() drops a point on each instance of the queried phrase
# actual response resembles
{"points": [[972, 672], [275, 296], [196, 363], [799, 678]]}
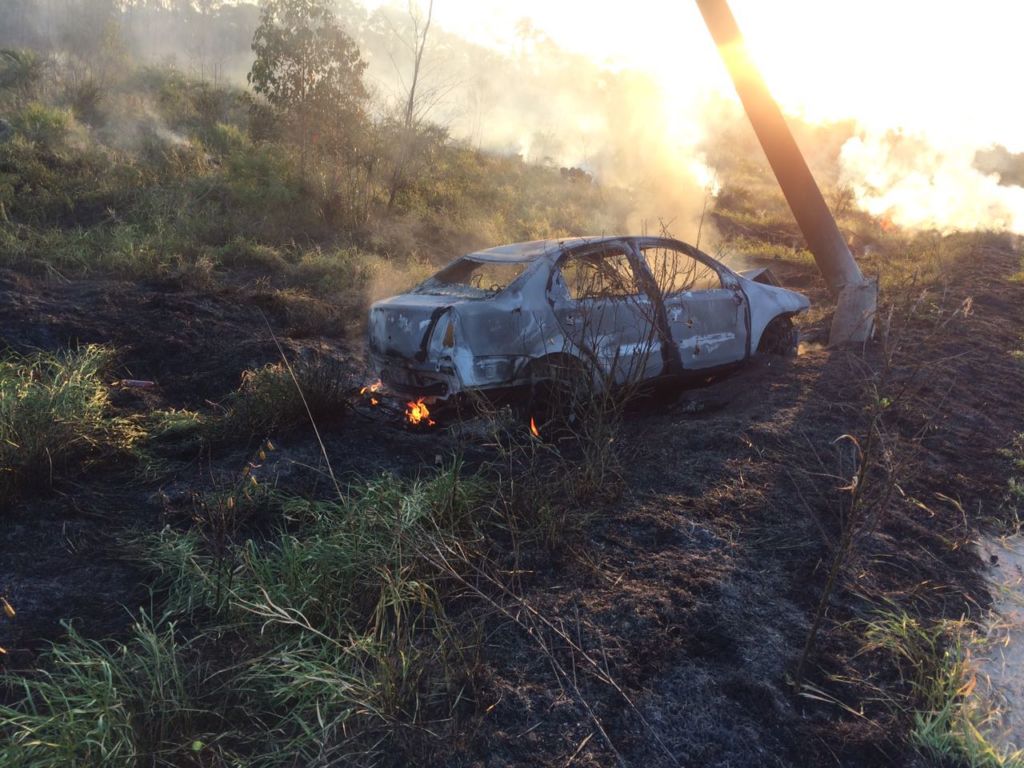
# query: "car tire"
{"points": [[780, 337]]}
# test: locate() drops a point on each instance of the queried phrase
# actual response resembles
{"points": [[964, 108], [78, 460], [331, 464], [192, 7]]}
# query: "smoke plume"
{"points": [[633, 98]]}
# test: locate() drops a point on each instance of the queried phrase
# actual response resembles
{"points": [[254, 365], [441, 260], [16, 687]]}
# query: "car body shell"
{"points": [[441, 339]]}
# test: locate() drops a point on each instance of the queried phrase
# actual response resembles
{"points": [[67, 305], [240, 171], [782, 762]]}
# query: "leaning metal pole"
{"points": [[856, 297]]}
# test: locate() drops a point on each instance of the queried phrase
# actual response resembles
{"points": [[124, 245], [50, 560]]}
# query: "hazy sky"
{"points": [[944, 66], [943, 73]]}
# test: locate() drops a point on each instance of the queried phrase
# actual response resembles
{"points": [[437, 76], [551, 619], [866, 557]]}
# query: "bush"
{"points": [[223, 139], [80, 187], [327, 272], [85, 98], [261, 177], [303, 315], [20, 72], [270, 399], [242, 253]]}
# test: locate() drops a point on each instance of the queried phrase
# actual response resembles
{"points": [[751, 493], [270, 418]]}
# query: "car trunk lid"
{"points": [[401, 326]]}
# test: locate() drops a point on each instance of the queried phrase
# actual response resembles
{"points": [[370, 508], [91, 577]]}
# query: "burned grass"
{"points": [[658, 624], [700, 591]]}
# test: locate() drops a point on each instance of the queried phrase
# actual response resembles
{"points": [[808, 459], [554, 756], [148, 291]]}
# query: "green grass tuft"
{"points": [[951, 719], [110, 704], [55, 416]]}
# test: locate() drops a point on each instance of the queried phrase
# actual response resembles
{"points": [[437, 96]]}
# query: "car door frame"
{"points": [[656, 332], [730, 284]]}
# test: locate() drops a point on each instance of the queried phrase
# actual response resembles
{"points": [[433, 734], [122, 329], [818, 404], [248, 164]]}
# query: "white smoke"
{"points": [[936, 71], [917, 184]]}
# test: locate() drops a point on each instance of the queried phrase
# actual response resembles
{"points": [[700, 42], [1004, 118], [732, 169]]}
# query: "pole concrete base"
{"points": [[854, 319]]}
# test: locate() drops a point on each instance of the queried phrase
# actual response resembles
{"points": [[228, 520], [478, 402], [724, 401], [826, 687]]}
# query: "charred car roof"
{"points": [[534, 249]]}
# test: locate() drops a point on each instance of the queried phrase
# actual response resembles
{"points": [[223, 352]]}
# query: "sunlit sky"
{"points": [[944, 67]]}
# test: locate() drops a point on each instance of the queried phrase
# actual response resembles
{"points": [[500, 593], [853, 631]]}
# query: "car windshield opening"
{"points": [[469, 278]]}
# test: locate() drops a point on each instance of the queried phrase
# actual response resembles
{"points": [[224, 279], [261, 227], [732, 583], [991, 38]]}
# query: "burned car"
{"points": [[617, 310]]}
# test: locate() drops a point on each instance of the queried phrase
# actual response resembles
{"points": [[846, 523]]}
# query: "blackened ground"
{"points": [[696, 592], [692, 593], [195, 344]]}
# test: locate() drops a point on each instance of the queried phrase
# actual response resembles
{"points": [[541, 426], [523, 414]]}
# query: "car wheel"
{"points": [[780, 337]]}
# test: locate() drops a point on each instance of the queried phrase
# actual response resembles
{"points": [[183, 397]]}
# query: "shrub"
{"points": [[243, 253], [303, 315], [79, 187], [85, 97], [42, 125], [224, 138], [20, 71], [261, 177], [270, 399], [328, 272]]}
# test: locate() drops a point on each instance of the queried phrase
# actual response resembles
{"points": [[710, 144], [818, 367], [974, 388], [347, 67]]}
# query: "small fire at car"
{"points": [[533, 428], [418, 414], [371, 390]]}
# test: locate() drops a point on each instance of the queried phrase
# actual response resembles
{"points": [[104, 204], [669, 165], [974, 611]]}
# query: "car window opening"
{"points": [[675, 271], [601, 276], [468, 278]]}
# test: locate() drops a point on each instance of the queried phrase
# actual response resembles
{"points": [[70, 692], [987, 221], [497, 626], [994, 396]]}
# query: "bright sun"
{"points": [[940, 74], [944, 68]]}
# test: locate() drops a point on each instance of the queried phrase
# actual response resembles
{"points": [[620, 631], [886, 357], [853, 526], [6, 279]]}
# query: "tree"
{"points": [[420, 29], [91, 34], [309, 71], [416, 105]]}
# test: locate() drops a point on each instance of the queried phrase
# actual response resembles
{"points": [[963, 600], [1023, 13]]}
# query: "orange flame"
{"points": [[533, 428], [370, 389], [416, 413]]}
